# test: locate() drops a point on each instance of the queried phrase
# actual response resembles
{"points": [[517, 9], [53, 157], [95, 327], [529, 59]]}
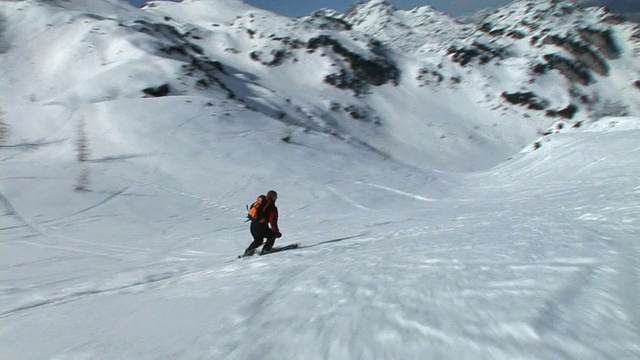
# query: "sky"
{"points": [[453, 7]]}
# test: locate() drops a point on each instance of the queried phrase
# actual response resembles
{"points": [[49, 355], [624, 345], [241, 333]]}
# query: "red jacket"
{"points": [[273, 220]]}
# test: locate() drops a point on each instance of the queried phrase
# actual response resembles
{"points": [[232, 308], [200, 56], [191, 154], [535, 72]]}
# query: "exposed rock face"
{"points": [[528, 99], [162, 90], [572, 70], [582, 53], [483, 52], [377, 70], [603, 41]]}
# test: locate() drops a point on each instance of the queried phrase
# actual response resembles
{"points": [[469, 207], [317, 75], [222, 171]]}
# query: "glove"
{"points": [[278, 235]]}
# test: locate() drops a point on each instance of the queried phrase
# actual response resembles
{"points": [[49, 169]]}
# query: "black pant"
{"points": [[261, 231]]}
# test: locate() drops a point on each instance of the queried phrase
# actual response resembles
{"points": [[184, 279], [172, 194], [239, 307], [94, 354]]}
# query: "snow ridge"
{"points": [[551, 63]]}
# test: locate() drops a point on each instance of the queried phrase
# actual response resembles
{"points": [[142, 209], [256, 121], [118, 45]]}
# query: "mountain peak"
{"points": [[402, 29], [372, 7]]}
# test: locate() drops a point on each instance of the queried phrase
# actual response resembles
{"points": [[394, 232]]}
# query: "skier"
{"points": [[262, 214]]}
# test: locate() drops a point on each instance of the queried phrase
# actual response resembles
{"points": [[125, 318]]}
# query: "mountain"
{"points": [[388, 79], [461, 190], [556, 75]]}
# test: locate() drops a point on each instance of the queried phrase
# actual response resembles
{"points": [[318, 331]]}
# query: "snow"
{"points": [[414, 247]]}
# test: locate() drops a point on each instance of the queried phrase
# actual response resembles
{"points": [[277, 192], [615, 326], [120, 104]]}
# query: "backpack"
{"points": [[259, 209]]}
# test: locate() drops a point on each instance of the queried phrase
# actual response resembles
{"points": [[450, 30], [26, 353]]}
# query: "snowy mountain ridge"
{"points": [[549, 35], [534, 60]]}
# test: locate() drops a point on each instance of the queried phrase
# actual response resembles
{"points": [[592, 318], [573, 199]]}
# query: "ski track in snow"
{"points": [[74, 295], [399, 192], [345, 198], [411, 319], [400, 313], [86, 209]]}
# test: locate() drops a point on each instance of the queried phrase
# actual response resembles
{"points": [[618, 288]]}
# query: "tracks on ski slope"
{"points": [[74, 295], [625, 266], [146, 282], [629, 283], [374, 301], [11, 211], [384, 299], [201, 198], [39, 228], [88, 208], [397, 192]]}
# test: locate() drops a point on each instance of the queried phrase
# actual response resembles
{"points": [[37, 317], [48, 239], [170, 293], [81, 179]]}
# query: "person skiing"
{"points": [[262, 214]]}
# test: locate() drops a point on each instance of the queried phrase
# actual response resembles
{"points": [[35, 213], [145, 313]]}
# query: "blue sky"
{"points": [[454, 7]]}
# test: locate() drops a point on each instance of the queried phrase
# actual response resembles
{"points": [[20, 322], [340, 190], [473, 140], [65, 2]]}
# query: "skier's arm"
{"points": [[273, 220]]}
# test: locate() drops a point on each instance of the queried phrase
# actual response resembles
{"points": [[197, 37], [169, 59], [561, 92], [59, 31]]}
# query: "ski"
{"points": [[274, 250], [254, 252], [281, 248]]}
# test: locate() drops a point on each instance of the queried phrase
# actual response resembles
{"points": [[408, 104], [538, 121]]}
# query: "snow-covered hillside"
{"points": [[416, 86], [131, 140]]}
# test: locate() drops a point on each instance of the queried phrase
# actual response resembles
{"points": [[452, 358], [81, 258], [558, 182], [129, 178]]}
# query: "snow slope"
{"points": [[386, 89], [130, 253]]}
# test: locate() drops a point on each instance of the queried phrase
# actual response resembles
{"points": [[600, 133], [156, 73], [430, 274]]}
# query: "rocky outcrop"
{"points": [[429, 76], [528, 99], [162, 90], [582, 53], [376, 70], [483, 52], [572, 70], [567, 113], [602, 40], [276, 57]]}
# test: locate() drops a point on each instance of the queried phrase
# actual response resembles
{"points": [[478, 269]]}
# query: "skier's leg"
{"points": [[254, 245], [258, 238], [269, 244], [271, 239]]}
